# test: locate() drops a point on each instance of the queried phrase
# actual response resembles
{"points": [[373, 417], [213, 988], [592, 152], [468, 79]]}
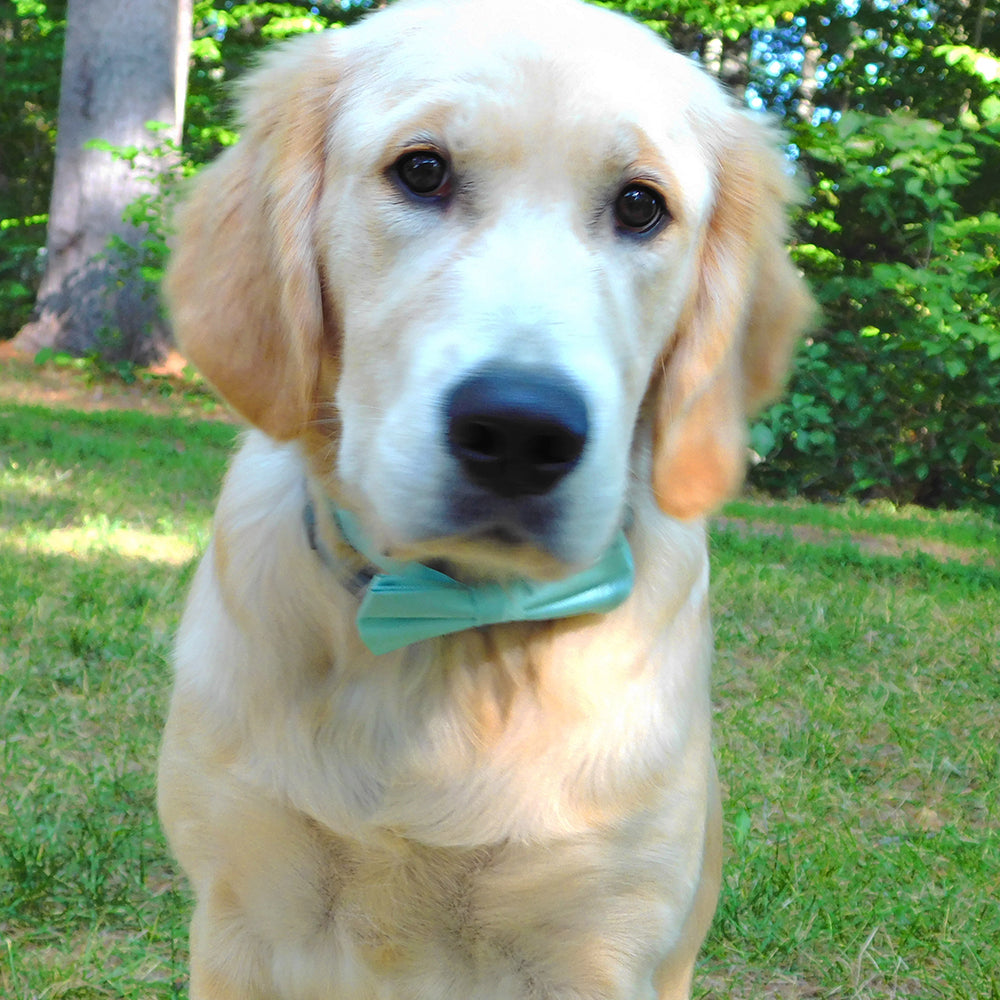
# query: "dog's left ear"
{"points": [[734, 341]]}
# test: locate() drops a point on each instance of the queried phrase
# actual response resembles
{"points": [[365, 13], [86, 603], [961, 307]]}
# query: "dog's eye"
{"points": [[640, 209], [424, 173]]}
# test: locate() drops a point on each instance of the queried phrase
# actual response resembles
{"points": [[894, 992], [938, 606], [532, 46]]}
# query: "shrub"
{"points": [[897, 394]]}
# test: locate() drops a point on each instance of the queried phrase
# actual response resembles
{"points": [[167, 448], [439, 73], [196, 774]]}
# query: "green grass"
{"points": [[101, 516], [858, 727]]}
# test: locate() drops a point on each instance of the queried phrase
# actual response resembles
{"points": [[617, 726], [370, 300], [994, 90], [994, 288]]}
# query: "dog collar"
{"points": [[407, 602]]}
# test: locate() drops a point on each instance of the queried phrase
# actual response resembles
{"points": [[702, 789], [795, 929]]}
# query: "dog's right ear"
{"points": [[244, 284]]}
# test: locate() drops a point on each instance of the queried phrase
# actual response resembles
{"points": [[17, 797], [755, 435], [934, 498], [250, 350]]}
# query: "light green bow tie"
{"points": [[408, 602]]}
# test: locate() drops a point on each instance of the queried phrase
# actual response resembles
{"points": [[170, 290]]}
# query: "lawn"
{"points": [[857, 726]]}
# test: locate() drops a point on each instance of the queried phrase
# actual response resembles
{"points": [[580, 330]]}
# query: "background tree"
{"points": [[124, 65]]}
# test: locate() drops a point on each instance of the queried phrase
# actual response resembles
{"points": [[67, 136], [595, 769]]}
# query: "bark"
{"points": [[728, 62], [805, 105], [124, 65]]}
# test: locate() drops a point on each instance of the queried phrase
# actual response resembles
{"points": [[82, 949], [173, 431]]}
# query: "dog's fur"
{"points": [[526, 810]]}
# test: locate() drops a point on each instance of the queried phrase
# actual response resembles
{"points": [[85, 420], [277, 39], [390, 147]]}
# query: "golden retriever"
{"points": [[492, 282]]}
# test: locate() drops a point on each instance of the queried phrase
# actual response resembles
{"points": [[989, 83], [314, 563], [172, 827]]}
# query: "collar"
{"points": [[407, 602]]}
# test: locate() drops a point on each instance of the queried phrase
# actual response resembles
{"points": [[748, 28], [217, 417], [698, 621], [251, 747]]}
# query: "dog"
{"points": [[495, 286]]}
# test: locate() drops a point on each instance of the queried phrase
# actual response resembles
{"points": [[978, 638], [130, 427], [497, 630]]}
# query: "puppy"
{"points": [[496, 286]]}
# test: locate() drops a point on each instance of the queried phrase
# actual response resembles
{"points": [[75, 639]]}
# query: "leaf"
{"points": [[762, 439], [742, 826], [206, 49], [976, 61], [989, 110]]}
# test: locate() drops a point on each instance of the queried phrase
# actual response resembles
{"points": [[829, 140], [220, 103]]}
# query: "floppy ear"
{"points": [[244, 284], [732, 347]]}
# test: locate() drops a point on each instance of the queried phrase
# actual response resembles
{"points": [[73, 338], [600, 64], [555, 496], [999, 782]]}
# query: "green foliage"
{"points": [[885, 56], [896, 393], [20, 269], [228, 36], [31, 37]]}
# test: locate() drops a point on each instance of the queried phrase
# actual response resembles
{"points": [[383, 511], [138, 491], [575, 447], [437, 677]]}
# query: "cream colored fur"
{"points": [[521, 811]]}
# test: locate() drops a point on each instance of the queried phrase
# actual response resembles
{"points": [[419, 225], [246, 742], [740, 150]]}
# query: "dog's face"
{"points": [[476, 256]]}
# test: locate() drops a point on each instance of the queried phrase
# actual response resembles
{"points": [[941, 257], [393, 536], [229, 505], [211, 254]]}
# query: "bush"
{"points": [[20, 270], [897, 394]]}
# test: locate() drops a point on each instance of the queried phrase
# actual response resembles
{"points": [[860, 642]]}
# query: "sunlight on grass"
{"points": [[87, 541]]}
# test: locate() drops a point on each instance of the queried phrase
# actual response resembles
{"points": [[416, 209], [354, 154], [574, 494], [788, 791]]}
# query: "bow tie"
{"points": [[409, 602]]}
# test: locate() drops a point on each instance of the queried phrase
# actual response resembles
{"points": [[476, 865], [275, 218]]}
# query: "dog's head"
{"points": [[478, 258]]}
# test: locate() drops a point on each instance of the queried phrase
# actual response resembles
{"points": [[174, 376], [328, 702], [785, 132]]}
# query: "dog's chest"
{"points": [[400, 920]]}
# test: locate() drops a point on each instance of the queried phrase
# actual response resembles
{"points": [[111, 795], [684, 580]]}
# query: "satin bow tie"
{"points": [[408, 602]]}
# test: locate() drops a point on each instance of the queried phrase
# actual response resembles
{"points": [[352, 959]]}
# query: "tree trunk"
{"points": [[728, 61], [805, 105], [124, 64]]}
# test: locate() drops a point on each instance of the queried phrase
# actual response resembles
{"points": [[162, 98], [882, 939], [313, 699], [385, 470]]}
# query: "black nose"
{"points": [[516, 433]]}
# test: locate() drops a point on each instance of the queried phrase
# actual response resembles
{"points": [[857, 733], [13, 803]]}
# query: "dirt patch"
{"points": [[878, 545], [163, 390]]}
